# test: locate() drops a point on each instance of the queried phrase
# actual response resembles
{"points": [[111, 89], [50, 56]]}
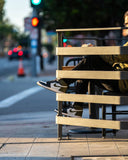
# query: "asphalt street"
{"points": [[22, 94]]}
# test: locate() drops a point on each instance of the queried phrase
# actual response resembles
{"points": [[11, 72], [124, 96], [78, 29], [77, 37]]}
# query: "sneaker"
{"points": [[54, 86], [69, 111]]}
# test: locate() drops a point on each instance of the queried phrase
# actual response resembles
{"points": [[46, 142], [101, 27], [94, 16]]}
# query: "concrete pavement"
{"points": [[33, 136]]}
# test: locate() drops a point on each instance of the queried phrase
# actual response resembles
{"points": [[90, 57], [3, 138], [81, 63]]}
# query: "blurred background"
{"points": [[28, 41], [16, 29], [17, 33]]}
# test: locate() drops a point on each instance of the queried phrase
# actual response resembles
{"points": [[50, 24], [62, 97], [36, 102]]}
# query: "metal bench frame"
{"points": [[91, 98]]}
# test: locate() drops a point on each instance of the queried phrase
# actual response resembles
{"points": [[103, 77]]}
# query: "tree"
{"points": [[82, 14], [23, 40], [9, 34], [2, 2]]}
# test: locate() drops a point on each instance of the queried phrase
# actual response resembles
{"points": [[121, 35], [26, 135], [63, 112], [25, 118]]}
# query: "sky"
{"points": [[16, 11]]}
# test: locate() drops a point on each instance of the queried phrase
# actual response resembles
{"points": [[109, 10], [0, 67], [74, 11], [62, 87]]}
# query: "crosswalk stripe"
{"points": [[19, 96]]}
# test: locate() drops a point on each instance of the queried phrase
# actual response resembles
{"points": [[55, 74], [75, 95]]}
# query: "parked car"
{"points": [[16, 53]]}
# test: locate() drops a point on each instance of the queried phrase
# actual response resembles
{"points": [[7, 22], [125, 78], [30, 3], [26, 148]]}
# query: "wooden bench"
{"points": [[89, 98], [114, 112]]}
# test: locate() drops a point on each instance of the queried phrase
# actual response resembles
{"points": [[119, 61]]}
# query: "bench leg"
{"points": [[59, 126], [103, 117], [114, 117]]}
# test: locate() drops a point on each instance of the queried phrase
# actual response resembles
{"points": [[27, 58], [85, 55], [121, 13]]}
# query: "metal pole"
{"points": [[39, 48], [37, 59], [60, 64], [34, 49]]}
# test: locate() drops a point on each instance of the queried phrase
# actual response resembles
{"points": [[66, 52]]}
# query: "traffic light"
{"points": [[35, 22], [36, 3]]}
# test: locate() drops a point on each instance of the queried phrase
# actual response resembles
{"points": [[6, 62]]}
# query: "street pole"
{"points": [[39, 48], [37, 59]]}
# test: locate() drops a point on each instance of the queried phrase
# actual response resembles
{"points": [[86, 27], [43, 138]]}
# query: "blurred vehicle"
{"points": [[17, 53]]}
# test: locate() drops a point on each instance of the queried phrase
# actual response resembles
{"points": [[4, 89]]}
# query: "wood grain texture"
{"points": [[107, 75], [80, 51], [97, 123], [100, 99]]}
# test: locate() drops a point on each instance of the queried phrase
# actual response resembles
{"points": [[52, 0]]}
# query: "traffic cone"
{"points": [[20, 72]]}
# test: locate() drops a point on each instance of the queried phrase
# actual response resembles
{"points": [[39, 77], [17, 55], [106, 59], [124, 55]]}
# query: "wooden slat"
{"points": [[107, 75], [80, 51], [89, 29], [88, 122], [100, 99], [67, 67]]}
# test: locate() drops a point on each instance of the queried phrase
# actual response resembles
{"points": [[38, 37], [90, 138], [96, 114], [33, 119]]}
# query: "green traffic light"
{"points": [[36, 2]]}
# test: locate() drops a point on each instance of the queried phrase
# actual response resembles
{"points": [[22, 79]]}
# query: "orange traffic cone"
{"points": [[20, 68]]}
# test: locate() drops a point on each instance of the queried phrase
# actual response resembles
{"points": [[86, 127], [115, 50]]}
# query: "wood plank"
{"points": [[107, 75], [80, 51], [100, 99], [67, 67], [97, 123], [89, 29]]}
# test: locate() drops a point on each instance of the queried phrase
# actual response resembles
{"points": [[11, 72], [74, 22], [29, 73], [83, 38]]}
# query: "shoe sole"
{"points": [[65, 114], [49, 88]]}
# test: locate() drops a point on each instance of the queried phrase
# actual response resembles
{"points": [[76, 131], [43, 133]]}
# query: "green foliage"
{"points": [[84, 13], [9, 31], [6, 28], [23, 40], [2, 2]]}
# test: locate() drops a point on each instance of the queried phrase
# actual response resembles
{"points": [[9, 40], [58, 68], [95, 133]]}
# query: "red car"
{"points": [[16, 53]]}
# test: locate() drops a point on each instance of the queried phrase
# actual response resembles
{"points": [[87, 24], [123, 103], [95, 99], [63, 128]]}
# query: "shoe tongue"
{"points": [[63, 89], [62, 82]]}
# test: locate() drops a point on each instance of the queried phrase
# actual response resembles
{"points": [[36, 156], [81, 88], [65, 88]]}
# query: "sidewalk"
{"points": [[33, 136]]}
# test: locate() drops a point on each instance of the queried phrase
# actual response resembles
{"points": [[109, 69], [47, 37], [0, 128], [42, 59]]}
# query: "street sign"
{"points": [[27, 24], [34, 33], [34, 43]]}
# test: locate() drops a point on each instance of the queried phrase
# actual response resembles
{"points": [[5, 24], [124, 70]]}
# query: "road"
{"points": [[21, 94], [8, 67]]}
